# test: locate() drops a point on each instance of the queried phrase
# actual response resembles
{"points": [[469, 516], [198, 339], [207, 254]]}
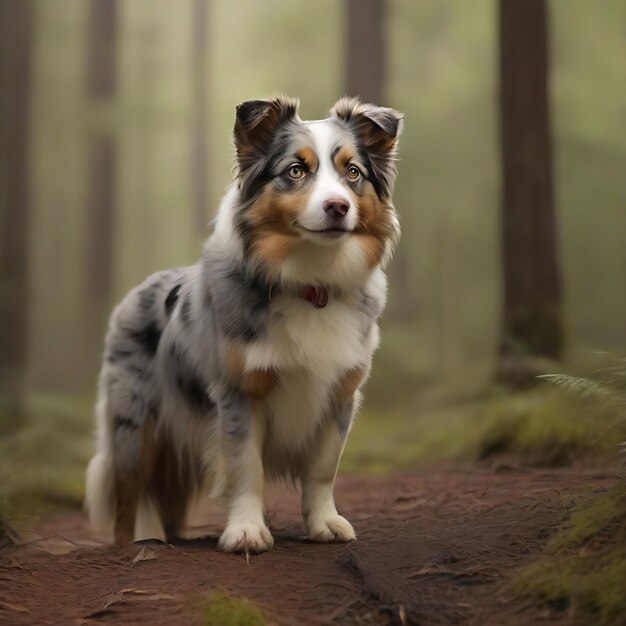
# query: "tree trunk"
{"points": [[199, 155], [100, 236], [365, 68], [532, 291], [16, 39]]}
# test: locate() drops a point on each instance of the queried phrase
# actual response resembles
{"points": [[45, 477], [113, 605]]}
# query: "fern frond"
{"points": [[576, 384]]}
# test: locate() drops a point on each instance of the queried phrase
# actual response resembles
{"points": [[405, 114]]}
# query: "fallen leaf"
{"points": [[145, 554]]}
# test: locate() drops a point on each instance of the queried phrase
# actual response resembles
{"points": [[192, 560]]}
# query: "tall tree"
{"points": [[532, 287], [365, 65], [199, 154], [101, 87], [16, 44]]}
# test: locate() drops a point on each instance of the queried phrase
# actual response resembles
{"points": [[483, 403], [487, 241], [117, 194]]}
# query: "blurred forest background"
{"points": [[125, 109]]}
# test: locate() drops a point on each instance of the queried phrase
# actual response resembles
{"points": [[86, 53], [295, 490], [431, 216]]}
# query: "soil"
{"points": [[433, 548]]}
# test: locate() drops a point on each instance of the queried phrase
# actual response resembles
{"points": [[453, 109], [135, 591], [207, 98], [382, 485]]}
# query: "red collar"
{"points": [[317, 296]]}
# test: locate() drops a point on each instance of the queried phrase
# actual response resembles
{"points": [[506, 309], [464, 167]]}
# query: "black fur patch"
{"points": [[379, 188], [240, 299], [235, 413], [189, 382], [124, 422], [194, 389], [147, 337], [116, 354], [171, 300], [147, 297]]}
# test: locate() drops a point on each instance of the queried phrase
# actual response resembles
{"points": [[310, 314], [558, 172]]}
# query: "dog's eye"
{"points": [[296, 171], [353, 173]]}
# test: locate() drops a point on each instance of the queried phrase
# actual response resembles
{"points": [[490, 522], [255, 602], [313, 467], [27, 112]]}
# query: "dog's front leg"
{"points": [[242, 434], [322, 520]]}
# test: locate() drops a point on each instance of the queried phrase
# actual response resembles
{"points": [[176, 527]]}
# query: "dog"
{"points": [[248, 366]]}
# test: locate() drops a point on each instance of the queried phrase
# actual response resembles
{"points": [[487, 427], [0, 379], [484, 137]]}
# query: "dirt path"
{"points": [[433, 549]]}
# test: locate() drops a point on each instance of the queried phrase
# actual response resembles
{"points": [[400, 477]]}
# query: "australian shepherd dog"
{"points": [[248, 365]]}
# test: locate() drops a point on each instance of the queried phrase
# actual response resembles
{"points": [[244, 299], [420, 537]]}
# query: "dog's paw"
{"points": [[327, 528], [245, 538]]}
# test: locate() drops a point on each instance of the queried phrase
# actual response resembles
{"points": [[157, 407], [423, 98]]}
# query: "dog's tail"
{"points": [[99, 493]]}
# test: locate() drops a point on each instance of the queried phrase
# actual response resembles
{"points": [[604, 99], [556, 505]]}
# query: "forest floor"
{"points": [[438, 547]]}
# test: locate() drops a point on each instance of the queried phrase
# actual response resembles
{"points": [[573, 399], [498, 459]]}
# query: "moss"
{"points": [[597, 513], [543, 427], [44, 463], [585, 562], [591, 585], [548, 427], [224, 610]]}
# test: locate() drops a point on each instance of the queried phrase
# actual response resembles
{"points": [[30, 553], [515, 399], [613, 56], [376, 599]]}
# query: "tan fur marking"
{"points": [[171, 486], [278, 210], [376, 225], [235, 363], [350, 383], [272, 216], [274, 248], [256, 383], [343, 157], [259, 383], [130, 488], [309, 157], [372, 247]]}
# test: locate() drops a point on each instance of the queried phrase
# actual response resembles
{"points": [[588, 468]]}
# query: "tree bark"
{"points": [[532, 289], [365, 68], [100, 225], [16, 39], [199, 156]]}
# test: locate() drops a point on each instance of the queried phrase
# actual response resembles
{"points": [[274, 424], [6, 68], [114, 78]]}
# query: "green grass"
{"points": [[543, 426], [584, 566], [43, 463], [224, 610]]}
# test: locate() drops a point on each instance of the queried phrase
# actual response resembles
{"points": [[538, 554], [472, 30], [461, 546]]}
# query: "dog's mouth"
{"points": [[331, 232]]}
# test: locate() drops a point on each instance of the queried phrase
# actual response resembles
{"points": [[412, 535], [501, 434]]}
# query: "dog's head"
{"points": [[316, 189]]}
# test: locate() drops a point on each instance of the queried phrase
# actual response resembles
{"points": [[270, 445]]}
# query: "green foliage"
{"points": [[577, 384], [595, 513], [608, 382], [544, 427], [585, 562], [541, 426], [225, 610], [43, 464]]}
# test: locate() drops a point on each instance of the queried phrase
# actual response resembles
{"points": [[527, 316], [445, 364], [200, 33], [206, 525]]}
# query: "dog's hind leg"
{"points": [[135, 455], [148, 524], [171, 488]]}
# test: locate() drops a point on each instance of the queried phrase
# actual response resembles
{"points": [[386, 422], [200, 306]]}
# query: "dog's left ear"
{"points": [[256, 122], [377, 129]]}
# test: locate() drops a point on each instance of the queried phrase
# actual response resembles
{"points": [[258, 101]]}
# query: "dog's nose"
{"points": [[336, 207]]}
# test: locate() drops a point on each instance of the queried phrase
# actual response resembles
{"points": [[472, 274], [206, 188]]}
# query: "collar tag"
{"points": [[317, 296]]}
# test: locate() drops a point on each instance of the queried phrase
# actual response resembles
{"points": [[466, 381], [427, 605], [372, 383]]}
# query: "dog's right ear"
{"points": [[256, 122]]}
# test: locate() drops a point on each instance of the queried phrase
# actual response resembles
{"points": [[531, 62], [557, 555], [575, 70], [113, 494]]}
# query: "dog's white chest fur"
{"points": [[311, 349]]}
